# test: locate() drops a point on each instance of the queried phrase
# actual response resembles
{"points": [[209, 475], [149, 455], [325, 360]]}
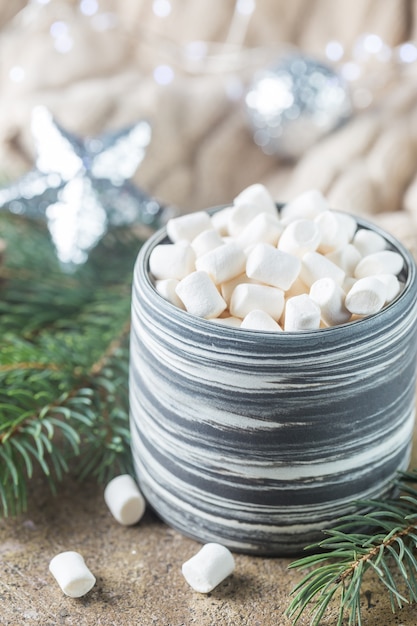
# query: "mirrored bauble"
{"points": [[294, 103]]}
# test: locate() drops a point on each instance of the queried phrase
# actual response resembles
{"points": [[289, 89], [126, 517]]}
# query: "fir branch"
{"points": [[63, 362], [379, 537]]}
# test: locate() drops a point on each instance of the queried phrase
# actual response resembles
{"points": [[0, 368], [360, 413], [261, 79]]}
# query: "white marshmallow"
{"points": [[246, 297], [392, 284], [200, 296], [259, 195], [227, 288], [349, 225], [222, 263], [330, 297], [205, 241], [271, 266], [299, 237], [383, 262], [368, 241], [72, 574], [187, 227], [220, 221], [296, 289], [315, 266], [260, 320], [209, 567], [173, 260], [301, 313], [166, 288], [346, 258], [264, 227], [124, 500], [305, 206], [367, 296], [333, 233]]}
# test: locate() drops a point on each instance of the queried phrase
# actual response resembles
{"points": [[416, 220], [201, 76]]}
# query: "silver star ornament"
{"points": [[81, 187]]}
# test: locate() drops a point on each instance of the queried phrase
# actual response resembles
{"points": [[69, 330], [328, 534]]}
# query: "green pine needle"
{"points": [[64, 354], [381, 537]]}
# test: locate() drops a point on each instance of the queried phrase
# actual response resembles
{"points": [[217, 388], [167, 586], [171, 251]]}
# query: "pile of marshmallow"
{"points": [[250, 266]]}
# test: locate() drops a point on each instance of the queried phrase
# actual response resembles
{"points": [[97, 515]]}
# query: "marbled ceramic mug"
{"points": [[260, 440]]}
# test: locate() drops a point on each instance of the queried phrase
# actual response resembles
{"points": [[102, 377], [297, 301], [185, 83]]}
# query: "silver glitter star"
{"points": [[81, 187]]}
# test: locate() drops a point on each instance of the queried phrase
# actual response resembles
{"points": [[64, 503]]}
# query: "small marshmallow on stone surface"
{"points": [[263, 228], [248, 296], [382, 262], [173, 260], [367, 296], [187, 227], [259, 320], [72, 574], [124, 500], [305, 206], [301, 313], [166, 288], [205, 241], [333, 234], [314, 266], [273, 267], [330, 297], [299, 237], [222, 263], [209, 567], [367, 241], [200, 296], [346, 258]]}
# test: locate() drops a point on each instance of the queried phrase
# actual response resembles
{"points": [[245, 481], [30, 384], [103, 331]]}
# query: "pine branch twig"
{"points": [[380, 537]]}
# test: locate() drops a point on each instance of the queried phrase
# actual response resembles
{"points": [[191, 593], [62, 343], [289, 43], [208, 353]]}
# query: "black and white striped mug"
{"points": [[260, 440]]}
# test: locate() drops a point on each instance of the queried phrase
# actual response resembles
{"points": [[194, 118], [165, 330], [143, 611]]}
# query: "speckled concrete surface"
{"points": [[138, 570]]}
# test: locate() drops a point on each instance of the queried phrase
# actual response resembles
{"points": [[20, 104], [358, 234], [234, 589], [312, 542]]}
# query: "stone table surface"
{"points": [[138, 571]]}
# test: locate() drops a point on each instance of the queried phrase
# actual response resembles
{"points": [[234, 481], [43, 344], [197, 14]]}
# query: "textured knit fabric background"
{"points": [[202, 151]]}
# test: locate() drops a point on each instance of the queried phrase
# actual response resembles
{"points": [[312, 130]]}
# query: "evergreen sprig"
{"points": [[381, 537], [64, 352]]}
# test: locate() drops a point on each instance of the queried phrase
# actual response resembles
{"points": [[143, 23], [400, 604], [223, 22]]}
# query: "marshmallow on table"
{"points": [[272, 267], [200, 296], [314, 266], [330, 297], [166, 288], [72, 574], [187, 227], [264, 227], [209, 567], [173, 260], [124, 500], [222, 263], [346, 258], [367, 241], [305, 206], [382, 262], [260, 320], [367, 296], [299, 237], [248, 296], [205, 241], [301, 313]]}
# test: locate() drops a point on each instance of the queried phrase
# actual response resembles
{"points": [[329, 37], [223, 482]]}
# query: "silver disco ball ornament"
{"points": [[294, 103]]}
